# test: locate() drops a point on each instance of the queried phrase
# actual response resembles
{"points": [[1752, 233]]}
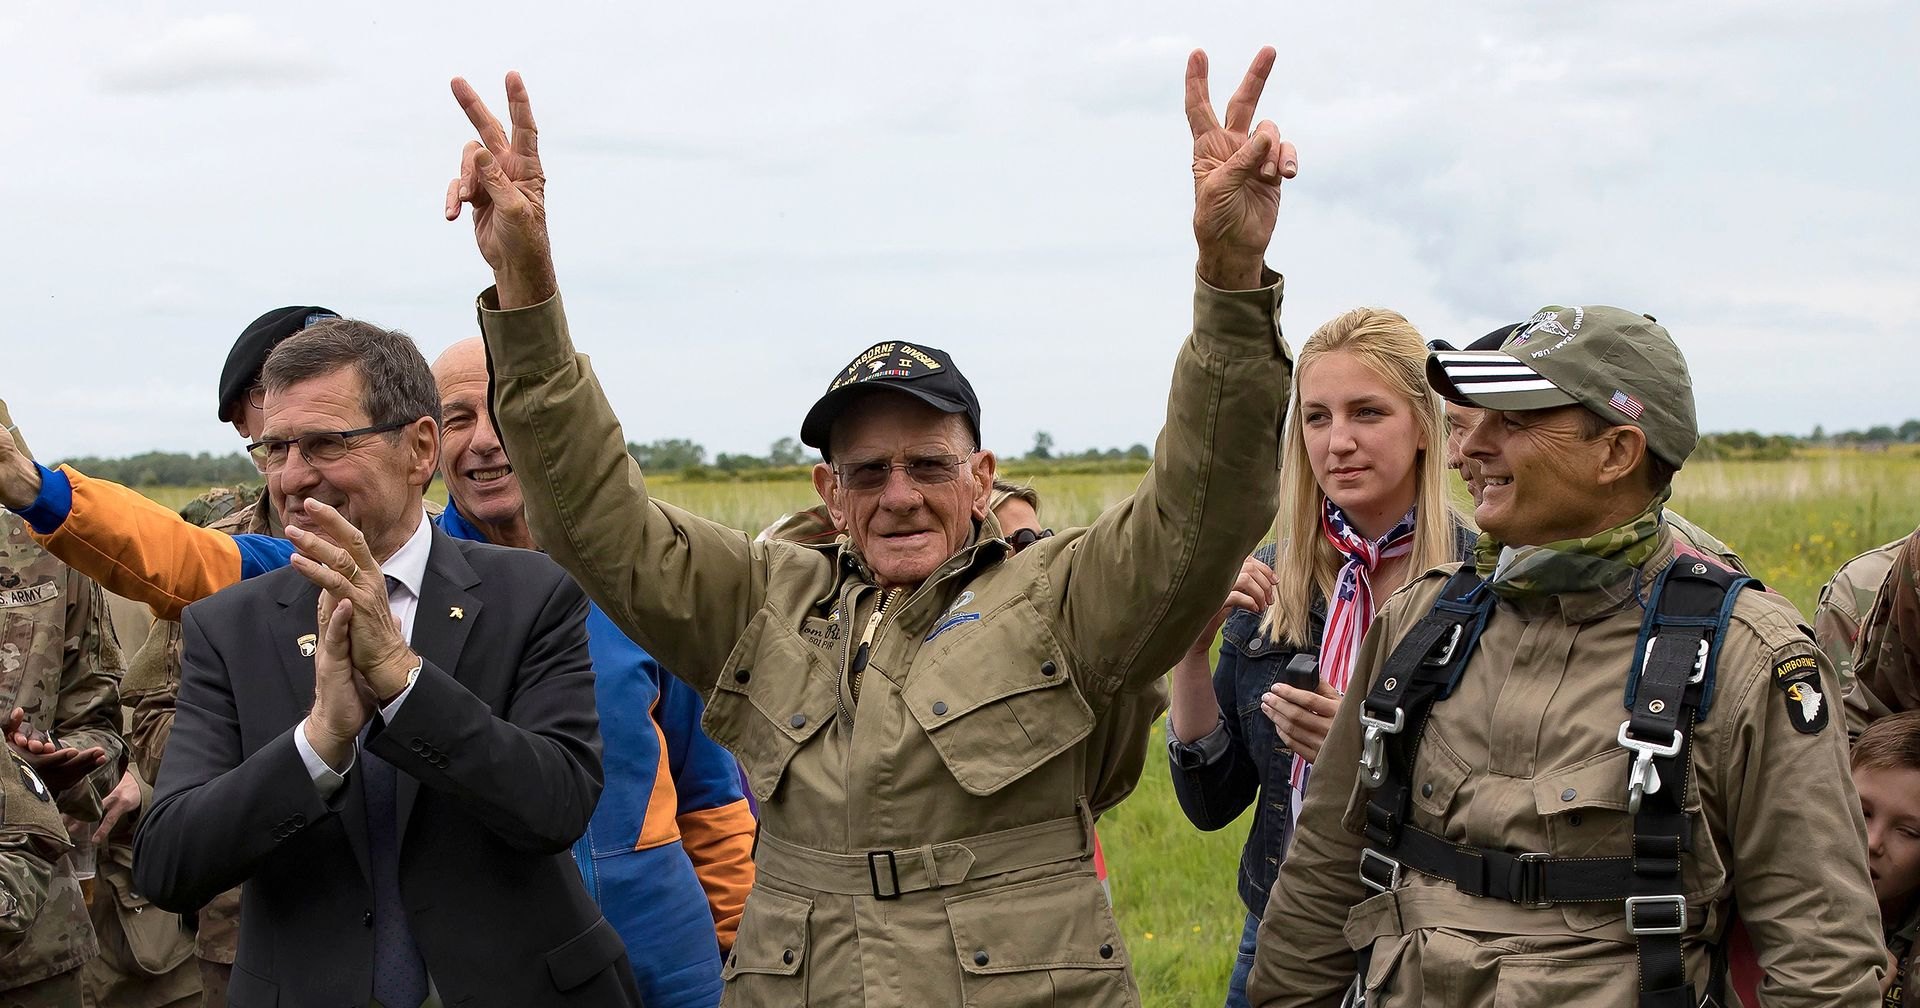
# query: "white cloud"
{"points": [[216, 52]]}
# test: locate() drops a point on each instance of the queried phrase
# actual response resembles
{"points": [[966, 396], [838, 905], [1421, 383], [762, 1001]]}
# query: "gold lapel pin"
{"points": [[457, 613], [307, 645]]}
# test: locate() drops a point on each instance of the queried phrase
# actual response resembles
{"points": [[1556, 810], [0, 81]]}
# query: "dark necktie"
{"points": [[399, 975]]}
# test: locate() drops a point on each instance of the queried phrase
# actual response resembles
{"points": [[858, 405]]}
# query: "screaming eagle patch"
{"points": [[29, 779], [1798, 679]]}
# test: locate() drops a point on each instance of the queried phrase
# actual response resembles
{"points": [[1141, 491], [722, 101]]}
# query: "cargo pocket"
{"points": [[773, 694], [1043, 943], [998, 701], [768, 964], [1532, 981], [1383, 983], [156, 941]]}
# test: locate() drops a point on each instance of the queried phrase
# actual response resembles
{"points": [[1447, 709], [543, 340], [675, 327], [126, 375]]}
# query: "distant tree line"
{"points": [[787, 456], [783, 457], [1754, 445], [173, 469]]}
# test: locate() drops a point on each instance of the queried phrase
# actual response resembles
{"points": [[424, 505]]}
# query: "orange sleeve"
{"points": [[140, 550], [720, 843]]}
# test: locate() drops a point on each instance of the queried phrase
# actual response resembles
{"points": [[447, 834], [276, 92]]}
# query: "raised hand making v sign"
{"points": [[1237, 168], [500, 177]]}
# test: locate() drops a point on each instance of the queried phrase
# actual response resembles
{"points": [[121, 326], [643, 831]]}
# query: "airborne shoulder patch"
{"points": [[1798, 679], [28, 779]]}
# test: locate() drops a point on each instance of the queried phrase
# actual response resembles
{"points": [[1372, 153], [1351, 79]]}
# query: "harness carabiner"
{"points": [[1643, 779], [1373, 752]]}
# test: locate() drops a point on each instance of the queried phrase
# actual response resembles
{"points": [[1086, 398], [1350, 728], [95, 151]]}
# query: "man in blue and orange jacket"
{"points": [[668, 853]]}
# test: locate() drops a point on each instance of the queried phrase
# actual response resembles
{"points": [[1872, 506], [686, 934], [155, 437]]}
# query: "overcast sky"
{"points": [[743, 196]]}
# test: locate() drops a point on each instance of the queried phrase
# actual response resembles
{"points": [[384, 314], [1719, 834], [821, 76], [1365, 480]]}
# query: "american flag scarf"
{"points": [[1350, 611]]}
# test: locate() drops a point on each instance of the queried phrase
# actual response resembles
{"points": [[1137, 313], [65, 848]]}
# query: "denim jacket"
{"points": [[1256, 766]]}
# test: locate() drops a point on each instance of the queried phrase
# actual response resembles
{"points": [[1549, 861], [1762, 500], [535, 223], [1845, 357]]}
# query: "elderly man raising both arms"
{"points": [[1561, 766], [913, 706]]}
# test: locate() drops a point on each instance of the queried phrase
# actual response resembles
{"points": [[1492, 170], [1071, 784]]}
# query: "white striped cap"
{"points": [[1493, 379]]}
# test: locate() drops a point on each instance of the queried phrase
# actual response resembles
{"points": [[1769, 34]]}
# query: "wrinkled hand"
{"points": [[1237, 170], [500, 178], [335, 557], [1252, 591], [342, 701], [1302, 718], [19, 477], [123, 800], [59, 765]]}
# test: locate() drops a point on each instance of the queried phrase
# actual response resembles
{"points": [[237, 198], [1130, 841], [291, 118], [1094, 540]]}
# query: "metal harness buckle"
{"points": [[1373, 762], [893, 873], [1433, 660], [1677, 907], [1533, 880], [1369, 855], [1643, 779], [1699, 662]]}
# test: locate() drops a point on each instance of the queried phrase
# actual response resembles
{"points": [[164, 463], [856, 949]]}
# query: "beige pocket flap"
{"points": [[772, 937], [1051, 923], [774, 694], [1001, 704]]}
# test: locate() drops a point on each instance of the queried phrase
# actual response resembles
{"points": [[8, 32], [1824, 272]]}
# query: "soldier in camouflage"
{"points": [[60, 679], [1844, 602], [1886, 659], [32, 845]]}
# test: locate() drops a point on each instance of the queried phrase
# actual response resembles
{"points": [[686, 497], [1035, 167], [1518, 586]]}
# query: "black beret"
{"points": [[255, 343]]}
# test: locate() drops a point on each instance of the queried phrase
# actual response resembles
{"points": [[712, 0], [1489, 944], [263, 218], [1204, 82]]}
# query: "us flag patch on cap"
{"points": [[1626, 404]]}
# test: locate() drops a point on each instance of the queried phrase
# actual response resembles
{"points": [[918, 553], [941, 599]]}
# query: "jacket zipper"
{"points": [[856, 663]]}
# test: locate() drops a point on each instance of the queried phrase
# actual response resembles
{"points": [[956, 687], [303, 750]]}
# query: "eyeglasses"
{"points": [[927, 470], [1023, 538], [317, 448], [257, 397]]}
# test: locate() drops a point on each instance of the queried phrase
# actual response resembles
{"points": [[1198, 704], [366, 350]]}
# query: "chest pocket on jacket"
{"points": [[31, 655], [1585, 808], [773, 695], [997, 699]]}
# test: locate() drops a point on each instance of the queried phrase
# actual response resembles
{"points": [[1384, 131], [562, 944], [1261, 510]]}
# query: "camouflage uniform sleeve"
{"points": [[1886, 659], [88, 711], [31, 840]]}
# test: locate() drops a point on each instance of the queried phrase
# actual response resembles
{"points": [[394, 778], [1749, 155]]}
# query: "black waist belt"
{"points": [[1525, 879]]}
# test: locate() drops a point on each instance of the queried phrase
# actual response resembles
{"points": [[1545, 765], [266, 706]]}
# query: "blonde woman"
{"points": [[1363, 507]]}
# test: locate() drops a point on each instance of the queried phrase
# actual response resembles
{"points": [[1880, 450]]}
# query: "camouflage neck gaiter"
{"points": [[1608, 562]]}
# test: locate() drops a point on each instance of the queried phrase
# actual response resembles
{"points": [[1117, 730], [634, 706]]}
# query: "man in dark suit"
{"points": [[392, 744]]}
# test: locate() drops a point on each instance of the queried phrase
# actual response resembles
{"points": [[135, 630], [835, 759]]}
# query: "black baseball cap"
{"points": [[256, 341], [921, 371]]}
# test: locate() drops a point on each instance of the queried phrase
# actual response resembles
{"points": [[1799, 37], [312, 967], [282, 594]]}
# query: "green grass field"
{"points": [[1793, 521]]}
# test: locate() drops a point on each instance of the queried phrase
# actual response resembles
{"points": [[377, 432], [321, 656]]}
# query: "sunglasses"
{"points": [[1023, 538], [318, 448], [927, 470]]}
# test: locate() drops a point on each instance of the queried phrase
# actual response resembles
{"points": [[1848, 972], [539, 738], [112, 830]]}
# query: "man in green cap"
{"points": [[1568, 760]]}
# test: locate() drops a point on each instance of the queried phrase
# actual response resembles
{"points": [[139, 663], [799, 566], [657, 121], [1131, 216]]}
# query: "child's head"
{"points": [[1886, 772]]}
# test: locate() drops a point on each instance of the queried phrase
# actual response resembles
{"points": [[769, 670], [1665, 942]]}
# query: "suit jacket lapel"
{"points": [[447, 611], [294, 626]]}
